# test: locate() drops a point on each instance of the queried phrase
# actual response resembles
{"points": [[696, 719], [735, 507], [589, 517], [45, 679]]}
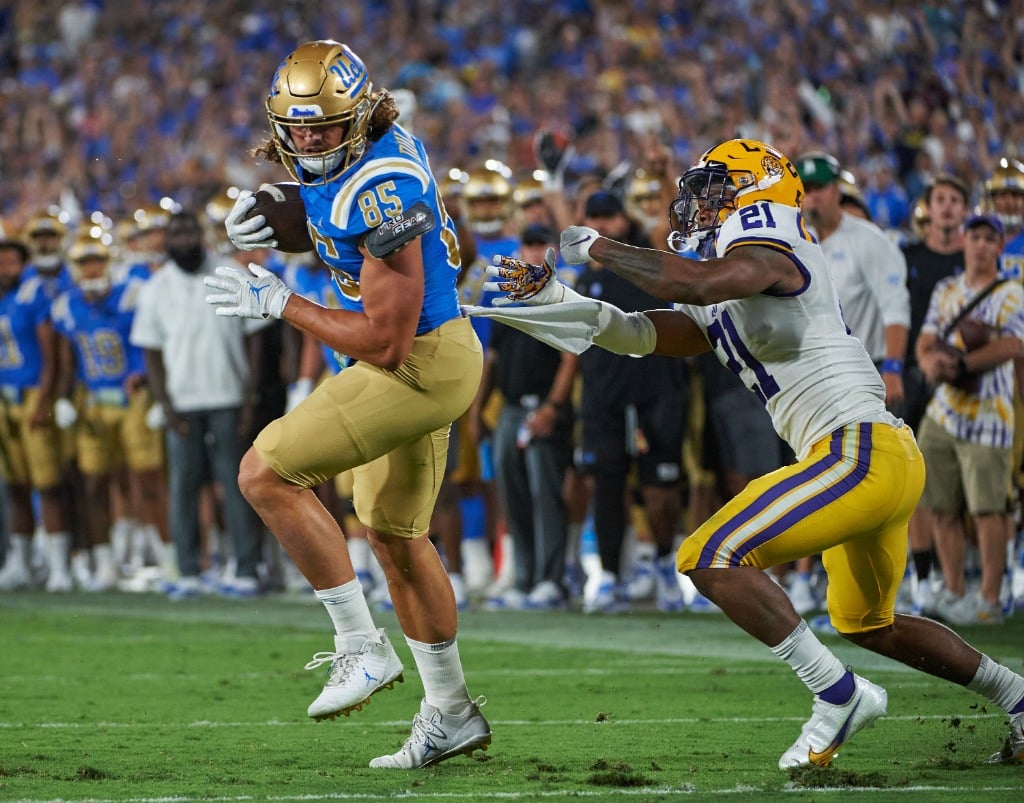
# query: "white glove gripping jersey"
{"points": [[793, 351]]}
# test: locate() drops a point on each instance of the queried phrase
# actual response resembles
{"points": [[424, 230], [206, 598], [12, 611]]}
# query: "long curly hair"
{"points": [[383, 116]]}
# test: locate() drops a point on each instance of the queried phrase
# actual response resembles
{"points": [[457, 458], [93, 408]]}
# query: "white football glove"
{"points": [[575, 243], [247, 234], [524, 283], [297, 393], [156, 418], [64, 413], [253, 293]]}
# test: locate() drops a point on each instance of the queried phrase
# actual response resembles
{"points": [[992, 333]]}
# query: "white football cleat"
{"points": [[1013, 749], [801, 596], [670, 593], [436, 737], [643, 584], [360, 667], [15, 574], [602, 594], [831, 726]]}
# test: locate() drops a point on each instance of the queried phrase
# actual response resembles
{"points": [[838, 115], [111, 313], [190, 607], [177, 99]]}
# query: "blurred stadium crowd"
{"points": [[114, 108], [109, 106]]}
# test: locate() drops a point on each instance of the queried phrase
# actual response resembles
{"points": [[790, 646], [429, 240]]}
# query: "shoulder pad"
{"points": [[392, 234]]}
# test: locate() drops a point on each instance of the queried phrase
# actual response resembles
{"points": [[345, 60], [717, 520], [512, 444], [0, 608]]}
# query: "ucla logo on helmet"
{"points": [[350, 71]]}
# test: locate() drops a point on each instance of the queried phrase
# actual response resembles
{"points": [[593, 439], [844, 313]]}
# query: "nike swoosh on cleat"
{"points": [[823, 758]]}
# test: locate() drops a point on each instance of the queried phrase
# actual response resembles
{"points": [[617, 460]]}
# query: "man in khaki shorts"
{"points": [[966, 434]]}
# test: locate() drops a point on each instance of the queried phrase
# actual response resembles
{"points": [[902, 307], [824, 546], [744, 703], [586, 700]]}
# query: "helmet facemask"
{"points": [[90, 266], [707, 196]]}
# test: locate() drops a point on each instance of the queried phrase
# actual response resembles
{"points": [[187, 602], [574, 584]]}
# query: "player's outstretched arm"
{"points": [[746, 271]]}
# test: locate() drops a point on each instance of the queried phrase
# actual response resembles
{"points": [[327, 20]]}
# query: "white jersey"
{"points": [[794, 350], [870, 275]]}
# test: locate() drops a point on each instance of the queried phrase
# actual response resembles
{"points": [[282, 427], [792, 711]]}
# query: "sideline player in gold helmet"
{"points": [[1003, 194], [102, 404]]}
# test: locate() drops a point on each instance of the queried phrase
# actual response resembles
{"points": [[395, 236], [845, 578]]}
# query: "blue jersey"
{"points": [[49, 283], [1012, 260], [138, 272], [315, 283], [471, 290], [393, 175], [22, 310], [98, 329]]}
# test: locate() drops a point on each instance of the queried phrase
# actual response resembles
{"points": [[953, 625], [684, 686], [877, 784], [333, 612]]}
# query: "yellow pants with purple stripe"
{"points": [[850, 499]]}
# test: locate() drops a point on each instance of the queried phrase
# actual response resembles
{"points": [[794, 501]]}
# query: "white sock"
{"points": [[359, 551], [812, 661], [995, 682], [58, 549], [444, 684], [346, 605], [18, 550]]}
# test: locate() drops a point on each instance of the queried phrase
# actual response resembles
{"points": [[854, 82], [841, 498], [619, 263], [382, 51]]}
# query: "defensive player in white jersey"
{"points": [[763, 301]]}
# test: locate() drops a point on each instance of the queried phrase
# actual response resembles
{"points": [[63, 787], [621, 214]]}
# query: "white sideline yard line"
{"points": [[604, 793], [606, 671], [531, 723]]}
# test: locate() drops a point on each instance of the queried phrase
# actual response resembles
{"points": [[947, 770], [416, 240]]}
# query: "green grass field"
{"points": [[125, 697]]}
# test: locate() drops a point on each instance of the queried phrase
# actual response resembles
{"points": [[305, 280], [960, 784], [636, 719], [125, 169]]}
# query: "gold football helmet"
{"points": [[529, 190], [920, 218], [453, 183], [215, 212], [321, 83], [90, 258], [487, 198], [643, 199], [729, 176], [849, 193], [144, 235], [46, 224], [152, 216], [1003, 193], [46, 234]]}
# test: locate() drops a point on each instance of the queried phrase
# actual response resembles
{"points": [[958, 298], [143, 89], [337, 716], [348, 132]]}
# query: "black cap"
{"points": [[603, 204], [538, 234]]}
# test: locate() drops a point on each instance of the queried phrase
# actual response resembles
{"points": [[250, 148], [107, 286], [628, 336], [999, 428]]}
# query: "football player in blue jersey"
{"points": [[412, 367], [1002, 194], [29, 443], [49, 275], [93, 319]]}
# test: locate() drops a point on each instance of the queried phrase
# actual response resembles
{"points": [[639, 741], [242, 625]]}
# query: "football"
{"points": [[974, 333], [285, 213]]}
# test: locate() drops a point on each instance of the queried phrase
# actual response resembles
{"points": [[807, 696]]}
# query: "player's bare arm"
{"points": [[746, 271], [678, 334], [382, 335]]}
